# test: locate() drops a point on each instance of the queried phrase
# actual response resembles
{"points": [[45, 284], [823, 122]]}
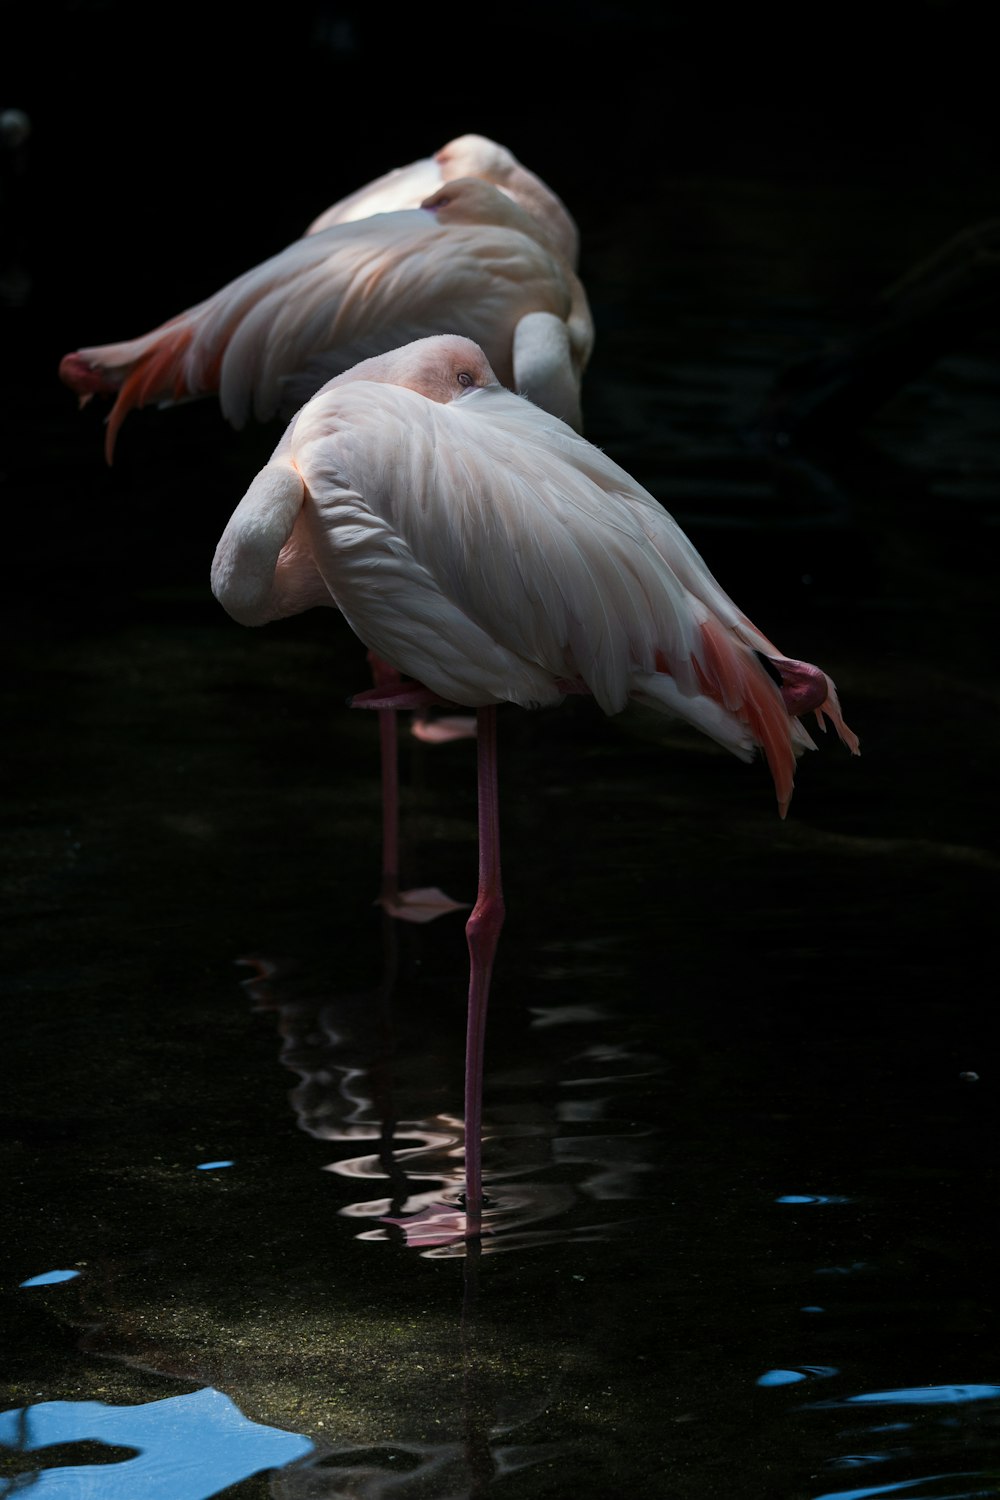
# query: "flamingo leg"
{"points": [[482, 932], [385, 676], [428, 902], [388, 735]]}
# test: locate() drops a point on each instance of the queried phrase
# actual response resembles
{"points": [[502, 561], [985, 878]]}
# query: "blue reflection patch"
{"points": [[210, 1166], [908, 1484], [924, 1394], [859, 1460], [190, 1447], [810, 1198], [787, 1377], [49, 1278]]}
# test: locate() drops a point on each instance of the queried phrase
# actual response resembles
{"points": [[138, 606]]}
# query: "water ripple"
{"points": [[811, 1198], [916, 1489], [921, 1395], [542, 1158]]}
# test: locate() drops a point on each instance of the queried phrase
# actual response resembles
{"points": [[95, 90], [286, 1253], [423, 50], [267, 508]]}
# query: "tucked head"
{"points": [[442, 368], [476, 156], [469, 200]]}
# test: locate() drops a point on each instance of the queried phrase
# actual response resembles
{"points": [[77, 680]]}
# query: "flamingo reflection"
{"points": [[548, 1157]]}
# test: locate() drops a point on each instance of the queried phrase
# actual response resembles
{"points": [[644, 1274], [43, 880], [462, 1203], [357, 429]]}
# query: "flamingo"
{"points": [[465, 156], [492, 555], [469, 260]]}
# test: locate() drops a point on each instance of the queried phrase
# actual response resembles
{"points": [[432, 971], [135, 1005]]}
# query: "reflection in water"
{"points": [[481, 1439], [923, 1489], [189, 1447], [801, 1372], [920, 1448], [467, 1466], [343, 1054], [922, 1395], [481, 1436], [858, 1460], [810, 1198]]}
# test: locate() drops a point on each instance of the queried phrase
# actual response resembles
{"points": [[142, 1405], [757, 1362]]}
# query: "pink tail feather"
{"points": [[155, 373], [731, 675]]}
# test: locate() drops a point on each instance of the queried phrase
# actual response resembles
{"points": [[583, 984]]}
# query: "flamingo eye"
{"points": [[464, 378]]}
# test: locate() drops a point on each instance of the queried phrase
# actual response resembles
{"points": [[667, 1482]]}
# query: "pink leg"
{"points": [[482, 932], [389, 746], [384, 676], [428, 902]]}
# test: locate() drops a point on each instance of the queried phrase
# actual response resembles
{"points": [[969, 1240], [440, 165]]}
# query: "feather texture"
{"points": [[465, 156], [484, 548], [470, 262]]}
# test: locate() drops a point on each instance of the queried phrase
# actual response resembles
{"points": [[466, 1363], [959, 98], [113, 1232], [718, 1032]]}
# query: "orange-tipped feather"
{"points": [[831, 708], [155, 374], [731, 674]]}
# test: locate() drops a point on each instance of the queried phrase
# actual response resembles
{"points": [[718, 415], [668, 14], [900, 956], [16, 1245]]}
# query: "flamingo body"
{"points": [[484, 549], [469, 261], [465, 156]]}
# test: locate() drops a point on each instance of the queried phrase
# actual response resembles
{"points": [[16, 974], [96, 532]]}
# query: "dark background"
{"points": [[183, 794], [171, 151]]}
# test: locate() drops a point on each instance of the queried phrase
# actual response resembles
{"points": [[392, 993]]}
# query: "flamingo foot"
{"points": [[444, 729], [75, 372], [397, 695], [804, 688], [421, 904]]}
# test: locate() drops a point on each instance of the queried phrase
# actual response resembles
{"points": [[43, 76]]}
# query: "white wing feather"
{"points": [[331, 299], [558, 561]]}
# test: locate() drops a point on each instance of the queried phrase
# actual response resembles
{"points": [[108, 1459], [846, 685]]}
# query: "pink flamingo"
{"points": [[469, 260], [491, 555], [466, 156]]}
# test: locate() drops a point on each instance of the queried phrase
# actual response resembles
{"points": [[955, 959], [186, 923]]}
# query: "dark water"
{"points": [[741, 1101]]}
